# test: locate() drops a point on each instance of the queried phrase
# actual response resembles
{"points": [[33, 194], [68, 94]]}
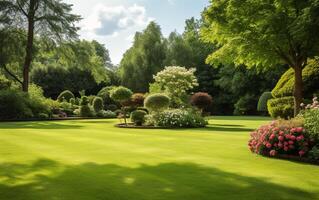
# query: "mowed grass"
{"points": [[91, 159]]}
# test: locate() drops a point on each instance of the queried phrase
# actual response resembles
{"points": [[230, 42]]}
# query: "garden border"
{"points": [[131, 126]]}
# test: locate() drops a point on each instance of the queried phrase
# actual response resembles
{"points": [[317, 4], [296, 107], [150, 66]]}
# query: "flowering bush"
{"points": [[273, 139], [176, 81], [180, 118], [311, 119]]}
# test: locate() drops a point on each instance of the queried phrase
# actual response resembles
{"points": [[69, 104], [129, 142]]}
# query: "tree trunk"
{"points": [[298, 89], [29, 47]]}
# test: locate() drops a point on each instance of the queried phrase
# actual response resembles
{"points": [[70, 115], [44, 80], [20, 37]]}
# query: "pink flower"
{"points": [[301, 153], [268, 145], [280, 145], [281, 138], [291, 146], [290, 142], [293, 137], [299, 130], [281, 133], [286, 148], [273, 153], [287, 136], [299, 138], [272, 136]]}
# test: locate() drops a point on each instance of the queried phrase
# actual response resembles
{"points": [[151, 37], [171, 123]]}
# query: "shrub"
{"points": [[104, 93], [201, 100], [14, 105], [138, 117], [43, 116], [98, 104], [245, 105], [4, 83], [271, 140], [157, 102], [281, 107], [112, 107], [67, 108], [262, 102], [310, 76], [37, 101], [65, 96], [137, 99], [179, 118], [85, 109], [121, 94], [91, 99], [72, 101], [106, 114], [314, 153], [311, 117]]}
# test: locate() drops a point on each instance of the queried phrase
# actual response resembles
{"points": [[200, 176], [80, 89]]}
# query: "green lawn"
{"points": [[91, 159]]}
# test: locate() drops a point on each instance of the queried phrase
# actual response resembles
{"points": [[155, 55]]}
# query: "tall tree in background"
{"points": [[264, 33], [51, 18], [144, 59]]}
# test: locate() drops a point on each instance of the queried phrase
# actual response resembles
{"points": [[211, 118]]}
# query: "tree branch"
{"points": [[21, 9], [11, 74], [284, 57]]}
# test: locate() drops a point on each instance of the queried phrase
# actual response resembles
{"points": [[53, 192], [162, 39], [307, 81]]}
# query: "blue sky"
{"points": [[114, 22]]}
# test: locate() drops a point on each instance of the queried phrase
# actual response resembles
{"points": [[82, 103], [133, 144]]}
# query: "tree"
{"points": [[144, 59], [264, 33], [51, 18]]}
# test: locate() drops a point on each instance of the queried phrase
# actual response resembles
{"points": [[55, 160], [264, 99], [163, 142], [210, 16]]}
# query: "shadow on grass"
{"points": [[48, 180], [38, 125], [226, 129]]}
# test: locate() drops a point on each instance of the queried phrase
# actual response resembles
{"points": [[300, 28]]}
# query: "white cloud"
{"points": [[109, 20]]}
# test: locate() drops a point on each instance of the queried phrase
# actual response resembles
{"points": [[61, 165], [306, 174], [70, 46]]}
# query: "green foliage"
{"points": [[138, 117], [86, 111], [314, 153], [66, 95], [262, 102], [311, 123], [245, 104], [144, 59], [180, 118], [106, 114], [98, 104], [281, 107], [14, 105], [310, 76], [176, 82], [84, 101], [121, 94], [157, 102], [37, 100], [4, 83]]}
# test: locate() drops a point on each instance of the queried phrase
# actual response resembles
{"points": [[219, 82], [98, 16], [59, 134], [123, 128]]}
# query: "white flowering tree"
{"points": [[176, 82]]}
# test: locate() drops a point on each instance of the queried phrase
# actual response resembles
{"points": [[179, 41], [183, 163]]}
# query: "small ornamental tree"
{"points": [[176, 82], [157, 102], [121, 95], [137, 99], [201, 100], [262, 102]]}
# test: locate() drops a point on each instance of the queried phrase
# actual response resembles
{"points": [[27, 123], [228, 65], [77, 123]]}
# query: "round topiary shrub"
{"points": [[65, 95], [157, 102], [84, 101], [85, 110], [138, 99], [262, 102], [201, 100], [281, 107], [121, 94], [138, 117], [98, 104]]}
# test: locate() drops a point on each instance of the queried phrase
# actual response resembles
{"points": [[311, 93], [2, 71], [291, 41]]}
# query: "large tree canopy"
{"points": [[264, 33], [51, 18]]}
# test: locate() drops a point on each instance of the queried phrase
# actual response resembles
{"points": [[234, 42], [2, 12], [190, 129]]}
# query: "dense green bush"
{"points": [[104, 93], [4, 83], [281, 107], [67, 108], [157, 102], [66, 95], [37, 101], [138, 117], [111, 107], [179, 118], [98, 104], [201, 100], [262, 102], [121, 94], [311, 119], [245, 105], [85, 109], [310, 76], [14, 105]]}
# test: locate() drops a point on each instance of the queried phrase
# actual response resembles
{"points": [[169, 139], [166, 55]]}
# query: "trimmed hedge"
{"points": [[65, 95], [281, 107], [262, 102], [98, 104], [157, 102]]}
